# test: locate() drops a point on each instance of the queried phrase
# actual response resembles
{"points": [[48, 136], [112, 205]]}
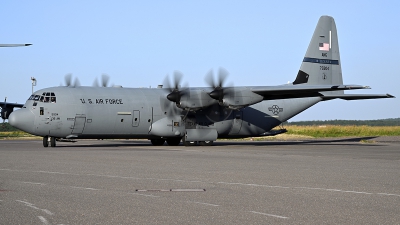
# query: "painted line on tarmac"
{"points": [[196, 181], [308, 188], [91, 189], [272, 215], [335, 190], [43, 220], [153, 196], [388, 194], [204, 203], [32, 183], [34, 207]]}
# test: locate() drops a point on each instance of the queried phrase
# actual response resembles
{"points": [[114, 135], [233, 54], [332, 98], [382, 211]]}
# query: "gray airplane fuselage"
{"points": [[116, 112]]}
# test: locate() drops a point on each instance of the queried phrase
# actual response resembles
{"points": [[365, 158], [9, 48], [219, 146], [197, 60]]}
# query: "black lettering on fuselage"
{"points": [[109, 101]]}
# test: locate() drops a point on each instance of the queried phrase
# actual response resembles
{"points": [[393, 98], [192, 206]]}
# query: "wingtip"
{"points": [[390, 96]]}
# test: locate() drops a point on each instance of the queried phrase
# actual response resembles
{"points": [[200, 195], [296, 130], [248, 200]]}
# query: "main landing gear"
{"points": [[201, 143], [47, 139], [194, 143], [170, 141]]}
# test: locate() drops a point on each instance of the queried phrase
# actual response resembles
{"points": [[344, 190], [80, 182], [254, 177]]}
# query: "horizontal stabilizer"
{"points": [[300, 91], [356, 96]]}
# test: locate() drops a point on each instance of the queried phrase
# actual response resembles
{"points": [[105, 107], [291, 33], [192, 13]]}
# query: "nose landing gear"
{"points": [[47, 139]]}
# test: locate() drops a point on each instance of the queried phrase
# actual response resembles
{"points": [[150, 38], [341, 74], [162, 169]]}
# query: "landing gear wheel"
{"points": [[188, 143], [206, 143], [45, 141], [157, 142], [173, 141], [53, 142]]}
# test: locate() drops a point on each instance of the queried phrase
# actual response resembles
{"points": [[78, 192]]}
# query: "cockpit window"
{"points": [[47, 97]]}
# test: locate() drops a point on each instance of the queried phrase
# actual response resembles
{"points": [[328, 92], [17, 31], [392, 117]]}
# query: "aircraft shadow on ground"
{"points": [[143, 143]]}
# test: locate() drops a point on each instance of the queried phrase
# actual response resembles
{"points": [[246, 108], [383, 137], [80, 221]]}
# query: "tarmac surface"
{"points": [[328, 181]]}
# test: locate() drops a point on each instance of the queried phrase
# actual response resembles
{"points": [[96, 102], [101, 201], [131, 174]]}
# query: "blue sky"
{"points": [[137, 43]]}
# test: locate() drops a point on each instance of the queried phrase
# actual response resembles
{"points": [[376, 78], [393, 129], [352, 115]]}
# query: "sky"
{"points": [[138, 43]]}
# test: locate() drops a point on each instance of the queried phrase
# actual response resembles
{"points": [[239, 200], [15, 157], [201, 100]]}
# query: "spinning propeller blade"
{"points": [[68, 81], [219, 91]]}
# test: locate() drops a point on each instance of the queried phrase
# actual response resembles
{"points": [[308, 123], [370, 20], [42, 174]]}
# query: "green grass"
{"points": [[343, 131], [14, 134]]}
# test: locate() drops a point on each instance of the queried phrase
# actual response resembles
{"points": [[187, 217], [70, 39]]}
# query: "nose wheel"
{"points": [[47, 139]]}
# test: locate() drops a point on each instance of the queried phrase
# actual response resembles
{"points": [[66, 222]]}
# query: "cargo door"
{"points": [[79, 125]]}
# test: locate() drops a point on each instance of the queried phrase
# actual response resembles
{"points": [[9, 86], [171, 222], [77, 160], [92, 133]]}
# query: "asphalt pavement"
{"points": [[340, 181]]}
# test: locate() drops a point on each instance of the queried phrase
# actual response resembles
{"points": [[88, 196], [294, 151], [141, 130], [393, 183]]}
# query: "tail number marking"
{"points": [[323, 67]]}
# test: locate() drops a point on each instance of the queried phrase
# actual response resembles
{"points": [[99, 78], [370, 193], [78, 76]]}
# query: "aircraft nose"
{"points": [[22, 119]]}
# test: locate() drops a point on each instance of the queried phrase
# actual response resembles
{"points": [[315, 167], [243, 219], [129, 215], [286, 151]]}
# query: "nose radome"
{"points": [[22, 119]]}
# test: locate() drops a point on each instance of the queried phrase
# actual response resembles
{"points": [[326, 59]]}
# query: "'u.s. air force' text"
{"points": [[108, 101]]}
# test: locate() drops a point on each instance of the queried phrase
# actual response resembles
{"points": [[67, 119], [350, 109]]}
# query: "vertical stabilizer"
{"points": [[321, 64]]}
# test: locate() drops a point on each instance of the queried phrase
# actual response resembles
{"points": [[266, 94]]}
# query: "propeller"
{"points": [[175, 93], [219, 90], [68, 81], [104, 81], [171, 101], [168, 107]]}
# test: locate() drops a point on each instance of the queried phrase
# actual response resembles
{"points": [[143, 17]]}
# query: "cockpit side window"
{"points": [[46, 97], [53, 97]]}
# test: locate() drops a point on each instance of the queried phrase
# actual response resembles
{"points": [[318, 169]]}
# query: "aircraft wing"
{"points": [[356, 96], [300, 91], [14, 45], [10, 105]]}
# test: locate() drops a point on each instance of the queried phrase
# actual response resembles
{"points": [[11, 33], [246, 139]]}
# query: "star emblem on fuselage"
{"points": [[275, 109]]}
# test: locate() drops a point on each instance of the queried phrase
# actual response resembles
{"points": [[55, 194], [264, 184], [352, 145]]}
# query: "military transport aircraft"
{"points": [[197, 115], [7, 108], [14, 45]]}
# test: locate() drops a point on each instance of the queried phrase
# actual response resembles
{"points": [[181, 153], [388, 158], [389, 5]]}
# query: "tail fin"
{"points": [[321, 64]]}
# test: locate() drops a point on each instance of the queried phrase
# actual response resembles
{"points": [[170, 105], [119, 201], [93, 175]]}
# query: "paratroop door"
{"points": [[79, 125]]}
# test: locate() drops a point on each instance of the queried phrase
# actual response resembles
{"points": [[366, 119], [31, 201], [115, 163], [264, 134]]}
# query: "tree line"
{"points": [[380, 122]]}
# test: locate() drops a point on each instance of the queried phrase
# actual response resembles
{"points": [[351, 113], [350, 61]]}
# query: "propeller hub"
{"points": [[216, 94], [174, 96]]}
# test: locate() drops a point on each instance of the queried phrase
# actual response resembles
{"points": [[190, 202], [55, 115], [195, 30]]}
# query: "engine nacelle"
{"points": [[195, 100], [238, 99]]}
